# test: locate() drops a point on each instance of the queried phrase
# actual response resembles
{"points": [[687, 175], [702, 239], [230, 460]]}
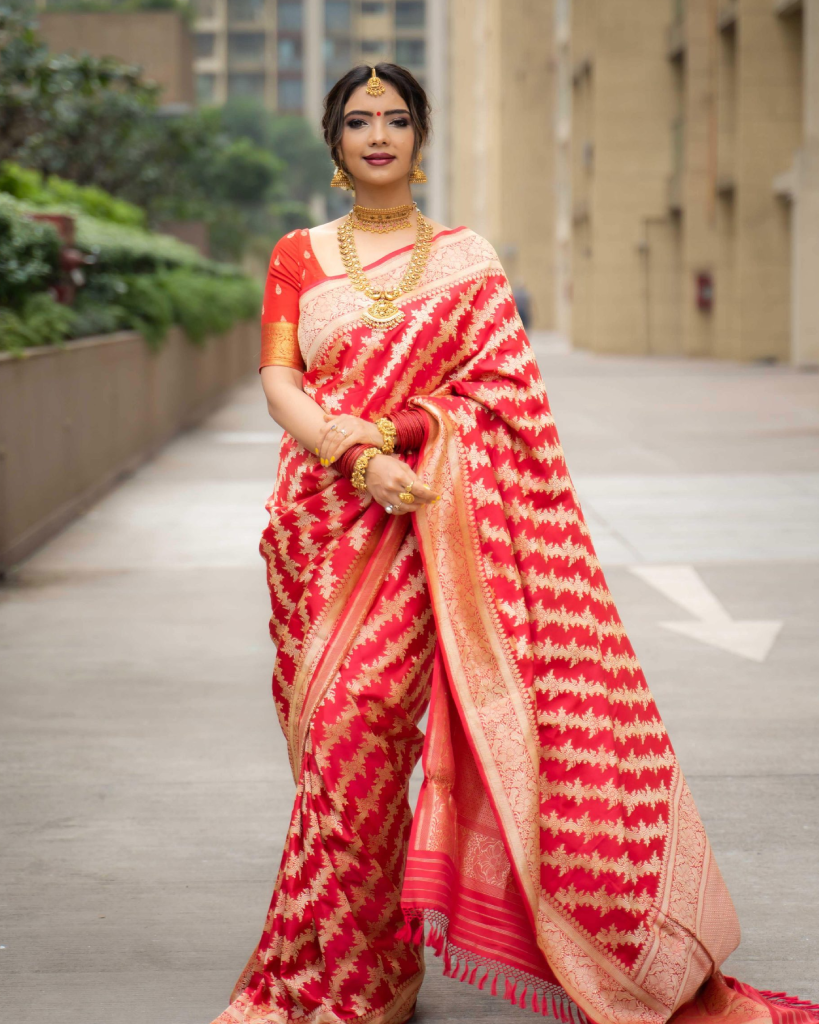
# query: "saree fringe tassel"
{"points": [[785, 1000], [539, 996]]}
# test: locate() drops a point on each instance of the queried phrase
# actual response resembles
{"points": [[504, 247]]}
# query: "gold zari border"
{"points": [[280, 346]]}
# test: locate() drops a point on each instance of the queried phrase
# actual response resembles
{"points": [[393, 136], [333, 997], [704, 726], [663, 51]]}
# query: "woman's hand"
{"points": [[387, 477], [333, 443]]}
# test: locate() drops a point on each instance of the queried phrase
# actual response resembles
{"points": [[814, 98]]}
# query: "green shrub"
{"points": [[41, 321], [210, 305], [29, 255], [29, 185], [148, 307], [94, 317]]}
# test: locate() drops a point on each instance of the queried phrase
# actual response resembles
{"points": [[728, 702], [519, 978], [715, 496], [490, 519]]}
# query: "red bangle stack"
{"points": [[347, 461], [409, 433], [409, 429]]}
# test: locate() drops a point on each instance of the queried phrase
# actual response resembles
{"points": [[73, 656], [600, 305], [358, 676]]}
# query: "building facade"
{"points": [[500, 140], [285, 52], [694, 186], [159, 41]]}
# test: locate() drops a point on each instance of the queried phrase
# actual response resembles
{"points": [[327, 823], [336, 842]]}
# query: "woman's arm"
{"points": [[295, 412]]}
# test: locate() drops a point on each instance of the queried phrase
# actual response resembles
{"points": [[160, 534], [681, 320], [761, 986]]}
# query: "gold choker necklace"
{"points": [[389, 218]]}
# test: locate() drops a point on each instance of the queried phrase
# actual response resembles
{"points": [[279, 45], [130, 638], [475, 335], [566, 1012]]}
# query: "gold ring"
{"points": [[407, 497]]}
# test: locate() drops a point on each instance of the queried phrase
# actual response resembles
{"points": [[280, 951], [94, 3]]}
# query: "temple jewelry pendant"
{"points": [[383, 313]]}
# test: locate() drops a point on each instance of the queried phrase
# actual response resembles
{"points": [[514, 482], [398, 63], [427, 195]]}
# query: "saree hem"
{"points": [[520, 987], [399, 1011]]}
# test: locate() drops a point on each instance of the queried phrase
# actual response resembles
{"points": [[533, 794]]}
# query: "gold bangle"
{"points": [[388, 432], [360, 468]]}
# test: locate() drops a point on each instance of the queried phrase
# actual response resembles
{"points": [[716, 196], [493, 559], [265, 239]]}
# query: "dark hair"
{"points": [[409, 88]]}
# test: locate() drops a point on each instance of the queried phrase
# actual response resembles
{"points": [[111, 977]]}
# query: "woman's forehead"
{"points": [[359, 100]]}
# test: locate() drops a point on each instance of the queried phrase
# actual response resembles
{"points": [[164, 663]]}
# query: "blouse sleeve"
{"points": [[280, 310]]}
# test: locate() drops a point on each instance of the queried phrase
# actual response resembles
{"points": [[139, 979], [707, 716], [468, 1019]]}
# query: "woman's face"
{"points": [[378, 137]]}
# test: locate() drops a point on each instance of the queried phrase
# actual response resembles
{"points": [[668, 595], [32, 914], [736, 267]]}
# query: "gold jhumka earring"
{"points": [[341, 179], [418, 177], [375, 86]]}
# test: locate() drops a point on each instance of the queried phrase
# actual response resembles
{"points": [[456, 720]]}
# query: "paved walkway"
{"points": [[145, 788]]}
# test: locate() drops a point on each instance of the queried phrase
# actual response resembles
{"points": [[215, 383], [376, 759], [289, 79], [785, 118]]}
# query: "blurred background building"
{"points": [[159, 41], [695, 177], [647, 170]]}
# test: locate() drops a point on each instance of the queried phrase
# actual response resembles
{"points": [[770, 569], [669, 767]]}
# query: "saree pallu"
{"points": [[556, 856]]}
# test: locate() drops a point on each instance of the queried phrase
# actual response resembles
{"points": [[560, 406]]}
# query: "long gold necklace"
{"points": [[381, 219], [383, 312]]}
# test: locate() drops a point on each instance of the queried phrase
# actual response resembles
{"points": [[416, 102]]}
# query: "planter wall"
{"points": [[74, 420]]}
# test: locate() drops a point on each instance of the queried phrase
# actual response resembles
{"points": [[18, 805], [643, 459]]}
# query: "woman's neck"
{"points": [[382, 196]]}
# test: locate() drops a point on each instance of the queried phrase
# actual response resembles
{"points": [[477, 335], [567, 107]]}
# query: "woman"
{"points": [[426, 545]]}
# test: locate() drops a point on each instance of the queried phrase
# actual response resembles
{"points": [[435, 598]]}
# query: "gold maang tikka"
{"points": [[375, 87]]}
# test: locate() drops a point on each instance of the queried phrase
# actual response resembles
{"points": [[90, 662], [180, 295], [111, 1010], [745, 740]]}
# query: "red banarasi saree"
{"points": [[555, 856]]}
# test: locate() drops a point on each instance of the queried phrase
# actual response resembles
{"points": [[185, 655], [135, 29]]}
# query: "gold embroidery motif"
{"points": [[596, 865], [608, 793], [638, 903], [556, 685], [589, 828], [280, 346]]}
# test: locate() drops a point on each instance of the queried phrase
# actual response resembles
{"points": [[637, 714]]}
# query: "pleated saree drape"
{"points": [[556, 857]]}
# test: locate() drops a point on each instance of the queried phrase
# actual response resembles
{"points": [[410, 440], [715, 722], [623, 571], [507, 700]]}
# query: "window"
{"points": [[337, 16], [337, 51], [409, 14], [373, 7], [245, 46], [245, 10], [291, 94], [410, 51], [371, 46], [204, 42], [290, 17], [205, 8], [290, 53], [246, 84], [205, 88]]}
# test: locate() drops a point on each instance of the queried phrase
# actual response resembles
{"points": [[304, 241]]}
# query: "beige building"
{"points": [[159, 41], [695, 177], [289, 52], [501, 137]]}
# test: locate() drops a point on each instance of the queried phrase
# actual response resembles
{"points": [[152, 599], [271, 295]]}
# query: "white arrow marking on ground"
{"points": [[682, 585]]}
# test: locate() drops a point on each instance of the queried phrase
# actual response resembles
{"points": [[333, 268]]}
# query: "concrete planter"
{"points": [[74, 420]]}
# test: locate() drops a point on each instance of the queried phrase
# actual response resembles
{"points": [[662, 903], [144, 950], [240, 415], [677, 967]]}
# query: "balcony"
{"points": [[726, 185], [580, 211], [582, 69], [727, 15], [675, 33], [674, 188], [784, 8]]}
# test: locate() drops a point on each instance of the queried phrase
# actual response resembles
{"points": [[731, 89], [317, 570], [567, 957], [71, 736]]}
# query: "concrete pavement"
{"points": [[145, 788]]}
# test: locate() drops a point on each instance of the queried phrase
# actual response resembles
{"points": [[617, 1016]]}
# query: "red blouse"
{"points": [[293, 267]]}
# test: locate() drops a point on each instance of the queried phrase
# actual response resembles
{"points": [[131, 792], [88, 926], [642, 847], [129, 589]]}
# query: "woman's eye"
{"points": [[355, 122], [400, 122]]}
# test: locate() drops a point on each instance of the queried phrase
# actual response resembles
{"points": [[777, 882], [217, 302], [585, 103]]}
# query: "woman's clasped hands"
{"points": [[387, 477]]}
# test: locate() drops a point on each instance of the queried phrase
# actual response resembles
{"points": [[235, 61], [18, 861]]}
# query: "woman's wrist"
{"points": [[358, 477], [346, 463]]}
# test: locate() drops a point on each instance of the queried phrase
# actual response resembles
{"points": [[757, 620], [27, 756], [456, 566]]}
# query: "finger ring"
{"points": [[343, 431], [388, 508], [332, 426], [407, 496]]}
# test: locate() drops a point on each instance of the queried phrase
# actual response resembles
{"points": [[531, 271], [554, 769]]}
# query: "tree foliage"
{"points": [[98, 123]]}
